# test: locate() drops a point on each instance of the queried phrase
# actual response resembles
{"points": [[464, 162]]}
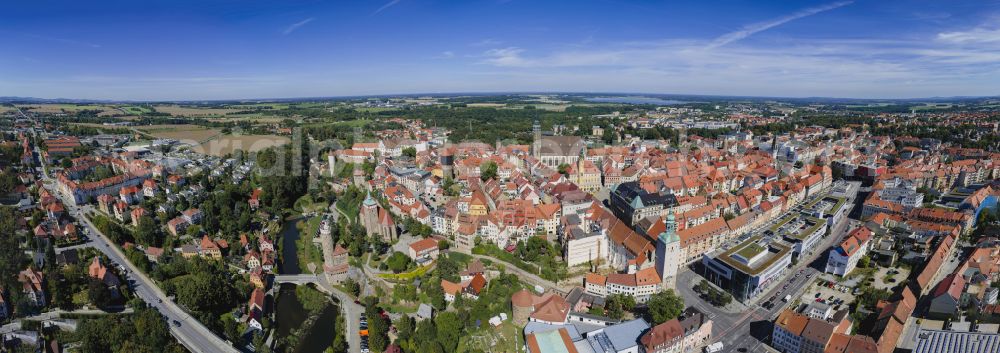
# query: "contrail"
{"points": [[296, 25], [751, 29], [386, 6]]}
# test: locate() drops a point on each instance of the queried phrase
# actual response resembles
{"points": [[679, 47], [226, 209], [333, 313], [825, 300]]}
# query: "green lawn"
{"points": [[504, 338], [306, 250]]}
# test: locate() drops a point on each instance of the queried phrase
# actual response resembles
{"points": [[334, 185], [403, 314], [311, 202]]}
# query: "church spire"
{"points": [[670, 234]]}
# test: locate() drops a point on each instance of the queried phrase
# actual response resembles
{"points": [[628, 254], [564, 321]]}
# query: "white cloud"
{"points": [[488, 42], [829, 67], [754, 28], [291, 28], [510, 56], [977, 35]]}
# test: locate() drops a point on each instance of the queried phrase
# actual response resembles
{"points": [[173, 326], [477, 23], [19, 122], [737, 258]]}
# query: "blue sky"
{"points": [[162, 50]]}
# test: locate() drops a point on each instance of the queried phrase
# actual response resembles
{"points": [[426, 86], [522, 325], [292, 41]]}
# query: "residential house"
{"points": [[209, 248], [33, 285]]}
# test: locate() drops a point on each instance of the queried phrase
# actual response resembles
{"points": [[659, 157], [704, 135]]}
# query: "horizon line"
{"points": [[14, 99]]}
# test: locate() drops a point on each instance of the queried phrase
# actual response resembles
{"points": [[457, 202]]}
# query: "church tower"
{"points": [[369, 214], [668, 253]]}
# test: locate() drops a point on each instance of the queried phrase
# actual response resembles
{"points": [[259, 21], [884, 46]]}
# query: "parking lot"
{"points": [[888, 278], [836, 295], [364, 334]]}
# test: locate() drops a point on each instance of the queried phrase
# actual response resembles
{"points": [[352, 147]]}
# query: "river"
{"points": [[290, 316], [289, 313], [289, 258]]}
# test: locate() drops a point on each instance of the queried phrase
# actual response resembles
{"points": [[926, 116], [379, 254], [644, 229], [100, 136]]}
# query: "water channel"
{"points": [[290, 315]]}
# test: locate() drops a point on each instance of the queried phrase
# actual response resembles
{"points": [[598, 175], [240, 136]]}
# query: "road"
{"points": [[751, 328], [191, 333]]}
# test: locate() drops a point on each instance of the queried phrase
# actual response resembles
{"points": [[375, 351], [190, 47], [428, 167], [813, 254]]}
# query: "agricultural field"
{"points": [[133, 109], [486, 105], [262, 117], [932, 106], [177, 110], [181, 132], [68, 108], [222, 145]]}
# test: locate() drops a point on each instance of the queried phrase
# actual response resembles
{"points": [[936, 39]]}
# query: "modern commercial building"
{"points": [[802, 231], [746, 269], [937, 341]]}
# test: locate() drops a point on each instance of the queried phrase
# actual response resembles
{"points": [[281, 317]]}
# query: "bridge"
{"points": [[301, 279]]}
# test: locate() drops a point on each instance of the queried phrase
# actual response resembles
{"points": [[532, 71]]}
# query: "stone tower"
{"points": [[447, 164], [331, 158], [668, 253], [326, 240], [536, 130]]}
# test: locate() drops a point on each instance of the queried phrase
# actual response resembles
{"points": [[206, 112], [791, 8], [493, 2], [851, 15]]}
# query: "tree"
{"points": [[436, 294], [378, 329], [488, 171], [664, 306], [608, 136], [339, 344], [98, 293], [864, 262], [426, 332], [564, 169], [410, 152], [352, 287], [618, 304], [449, 330], [397, 262], [12, 258], [448, 268], [404, 291], [62, 291], [405, 327], [145, 331], [207, 289], [50, 256], [147, 233]]}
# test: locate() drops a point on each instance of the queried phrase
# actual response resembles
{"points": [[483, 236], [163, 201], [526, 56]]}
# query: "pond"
{"points": [[289, 259], [290, 315]]}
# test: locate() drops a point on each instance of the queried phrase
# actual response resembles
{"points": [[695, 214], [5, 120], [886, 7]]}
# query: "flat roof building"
{"points": [[746, 269]]}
